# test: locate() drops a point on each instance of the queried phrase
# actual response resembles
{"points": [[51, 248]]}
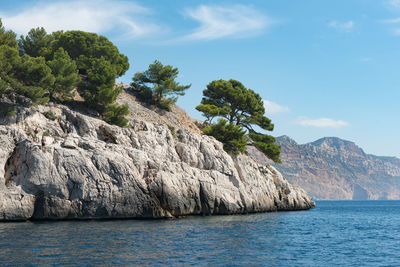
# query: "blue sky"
{"points": [[324, 68]]}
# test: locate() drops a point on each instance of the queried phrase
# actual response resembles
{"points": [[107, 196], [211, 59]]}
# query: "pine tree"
{"points": [[158, 84], [84, 46], [37, 43], [7, 37], [100, 92], [9, 61], [242, 107], [36, 79], [65, 73]]}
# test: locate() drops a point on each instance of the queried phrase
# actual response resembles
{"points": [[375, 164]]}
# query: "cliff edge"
{"points": [[90, 169]]}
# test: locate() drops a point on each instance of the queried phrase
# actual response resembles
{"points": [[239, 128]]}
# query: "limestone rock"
{"points": [[90, 169]]}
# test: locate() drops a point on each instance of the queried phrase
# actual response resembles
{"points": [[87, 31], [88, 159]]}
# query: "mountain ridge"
{"points": [[332, 168]]}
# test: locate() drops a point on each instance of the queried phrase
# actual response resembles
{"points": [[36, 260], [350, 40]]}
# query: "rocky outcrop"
{"points": [[89, 169], [334, 169]]}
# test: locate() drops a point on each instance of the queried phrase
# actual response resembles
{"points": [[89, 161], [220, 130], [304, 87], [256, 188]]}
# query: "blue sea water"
{"points": [[336, 233]]}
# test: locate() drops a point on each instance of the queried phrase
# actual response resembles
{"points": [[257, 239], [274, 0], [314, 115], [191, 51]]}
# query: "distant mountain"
{"points": [[332, 168]]}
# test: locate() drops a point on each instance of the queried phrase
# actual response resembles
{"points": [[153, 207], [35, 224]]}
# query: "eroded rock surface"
{"points": [[90, 169]]}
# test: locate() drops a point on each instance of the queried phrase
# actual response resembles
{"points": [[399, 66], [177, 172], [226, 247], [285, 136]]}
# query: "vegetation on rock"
{"points": [[157, 85], [241, 112], [46, 67]]}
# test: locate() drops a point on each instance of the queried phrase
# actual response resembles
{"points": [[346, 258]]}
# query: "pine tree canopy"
{"points": [[7, 37], [242, 107], [50, 64], [158, 82], [85, 46], [65, 73], [37, 43]]}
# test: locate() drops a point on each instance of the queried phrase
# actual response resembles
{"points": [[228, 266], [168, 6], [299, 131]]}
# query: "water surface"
{"points": [[337, 233]]}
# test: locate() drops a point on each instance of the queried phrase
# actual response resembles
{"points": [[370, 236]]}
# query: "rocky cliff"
{"points": [[158, 167], [332, 168]]}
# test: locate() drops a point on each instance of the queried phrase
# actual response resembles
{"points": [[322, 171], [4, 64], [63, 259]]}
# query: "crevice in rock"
{"points": [[38, 211], [204, 206], [10, 168], [106, 135]]}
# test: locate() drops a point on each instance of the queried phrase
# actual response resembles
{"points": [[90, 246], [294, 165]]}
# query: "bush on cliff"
{"points": [[157, 85], [240, 107]]}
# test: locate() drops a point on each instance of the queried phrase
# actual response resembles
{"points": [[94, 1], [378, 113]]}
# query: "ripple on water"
{"points": [[335, 233]]}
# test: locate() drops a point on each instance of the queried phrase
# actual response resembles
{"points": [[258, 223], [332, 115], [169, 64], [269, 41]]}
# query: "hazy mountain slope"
{"points": [[332, 168]]}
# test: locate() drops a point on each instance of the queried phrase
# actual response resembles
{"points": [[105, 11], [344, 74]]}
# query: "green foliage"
{"points": [[49, 65], [9, 62], [46, 133], [65, 73], [242, 107], [115, 114], [28, 76], [172, 130], [209, 111], [266, 144], [50, 115], [9, 111], [100, 62], [158, 85], [36, 78], [36, 44], [232, 136], [7, 37], [84, 46], [100, 92], [98, 88]]}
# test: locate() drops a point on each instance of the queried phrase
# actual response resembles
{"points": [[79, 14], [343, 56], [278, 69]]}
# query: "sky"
{"points": [[323, 68]]}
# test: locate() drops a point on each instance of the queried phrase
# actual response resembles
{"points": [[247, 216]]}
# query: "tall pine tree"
{"points": [[241, 107]]}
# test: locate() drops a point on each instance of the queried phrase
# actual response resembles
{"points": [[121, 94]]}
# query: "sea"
{"points": [[335, 233]]}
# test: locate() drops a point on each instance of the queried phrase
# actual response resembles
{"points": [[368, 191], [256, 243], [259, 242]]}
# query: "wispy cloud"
{"points": [[366, 59], [321, 123], [347, 26], [395, 22], [274, 108], [236, 21], [391, 21], [101, 16], [393, 3]]}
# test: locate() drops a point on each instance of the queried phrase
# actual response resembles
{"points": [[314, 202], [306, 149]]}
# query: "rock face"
{"points": [[90, 169], [334, 169]]}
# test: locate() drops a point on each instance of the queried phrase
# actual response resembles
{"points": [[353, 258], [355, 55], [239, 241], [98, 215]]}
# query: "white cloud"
{"points": [[321, 123], [366, 59], [394, 3], [347, 26], [274, 108], [236, 21], [99, 16], [392, 21], [395, 21]]}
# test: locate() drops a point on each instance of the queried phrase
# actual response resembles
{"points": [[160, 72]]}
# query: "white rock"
{"points": [[95, 170]]}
